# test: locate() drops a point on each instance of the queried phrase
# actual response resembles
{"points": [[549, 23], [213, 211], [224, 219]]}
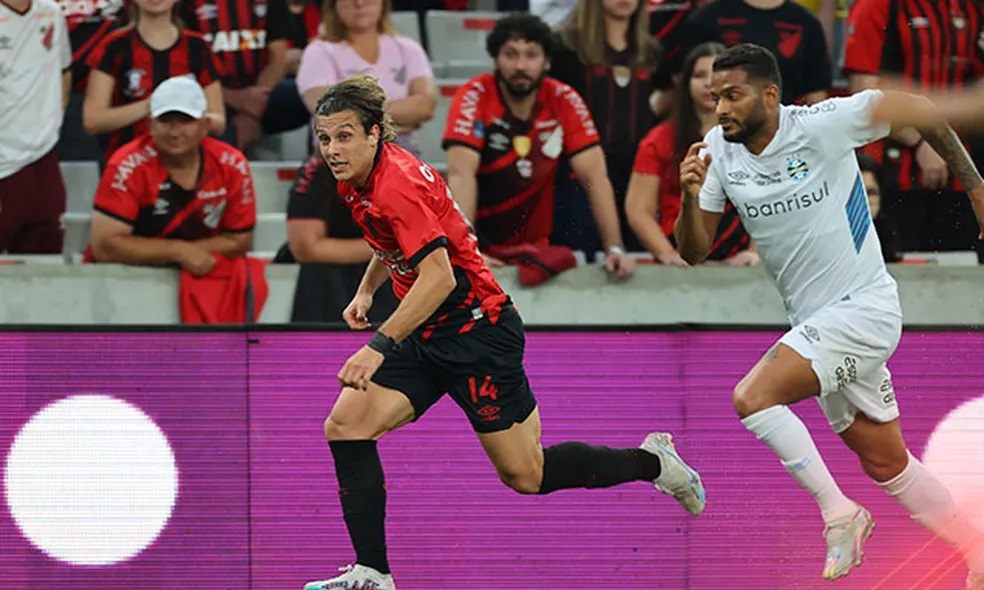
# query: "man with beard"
{"points": [[793, 176], [506, 132], [455, 331]]}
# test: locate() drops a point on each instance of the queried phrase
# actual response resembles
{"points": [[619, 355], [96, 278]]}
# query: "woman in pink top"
{"points": [[358, 35]]}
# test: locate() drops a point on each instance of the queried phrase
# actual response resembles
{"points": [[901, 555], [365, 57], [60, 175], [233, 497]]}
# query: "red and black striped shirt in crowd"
{"points": [[931, 45], [239, 32], [89, 21], [138, 68]]}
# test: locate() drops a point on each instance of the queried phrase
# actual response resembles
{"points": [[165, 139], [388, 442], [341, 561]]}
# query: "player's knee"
{"points": [[348, 423], [523, 480], [748, 401], [885, 464]]}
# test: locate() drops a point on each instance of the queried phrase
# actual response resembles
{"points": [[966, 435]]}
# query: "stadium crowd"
{"points": [[562, 143]]}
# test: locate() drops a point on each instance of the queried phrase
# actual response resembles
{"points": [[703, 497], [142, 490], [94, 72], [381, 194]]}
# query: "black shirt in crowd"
{"points": [[618, 98], [790, 31]]}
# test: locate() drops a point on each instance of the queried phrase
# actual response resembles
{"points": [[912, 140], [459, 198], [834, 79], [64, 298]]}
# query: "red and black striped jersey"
{"points": [[89, 21], [136, 188], [239, 32], [405, 212], [932, 46], [519, 158], [138, 68]]}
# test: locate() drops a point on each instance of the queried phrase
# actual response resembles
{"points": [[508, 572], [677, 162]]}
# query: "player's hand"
{"points": [[359, 368], [934, 170], [356, 312], [620, 266], [198, 261], [672, 258], [693, 169], [744, 258]]}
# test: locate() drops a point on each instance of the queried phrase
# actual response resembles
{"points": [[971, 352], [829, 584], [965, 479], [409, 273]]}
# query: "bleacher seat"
{"points": [[81, 182], [431, 132], [270, 232], [76, 225], [407, 23], [462, 41], [272, 181]]}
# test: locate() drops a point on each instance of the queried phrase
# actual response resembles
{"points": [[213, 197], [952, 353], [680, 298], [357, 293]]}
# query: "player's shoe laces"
{"points": [[676, 478], [845, 543], [355, 577], [975, 581]]}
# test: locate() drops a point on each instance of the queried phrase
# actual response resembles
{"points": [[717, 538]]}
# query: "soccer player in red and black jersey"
{"points": [[129, 63], [506, 133], [455, 331], [175, 196], [251, 39], [932, 47]]}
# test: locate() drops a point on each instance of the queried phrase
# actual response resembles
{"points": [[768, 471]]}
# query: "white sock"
{"points": [[930, 504], [788, 437]]}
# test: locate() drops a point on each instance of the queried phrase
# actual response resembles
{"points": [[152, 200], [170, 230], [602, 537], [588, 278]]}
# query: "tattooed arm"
{"points": [[947, 144], [902, 108]]}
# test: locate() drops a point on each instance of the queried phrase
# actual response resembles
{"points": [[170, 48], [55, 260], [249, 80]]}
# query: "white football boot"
{"points": [[845, 543], [355, 577], [676, 478]]}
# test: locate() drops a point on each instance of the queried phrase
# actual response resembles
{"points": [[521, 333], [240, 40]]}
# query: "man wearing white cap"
{"points": [[176, 196], [35, 58]]}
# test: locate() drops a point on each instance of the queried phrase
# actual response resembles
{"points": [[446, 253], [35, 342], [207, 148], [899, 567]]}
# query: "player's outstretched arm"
{"points": [[435, 281], [947, 144]]}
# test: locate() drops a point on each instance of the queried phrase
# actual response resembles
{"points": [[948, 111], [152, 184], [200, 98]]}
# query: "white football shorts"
{"points": [[848, 344]]}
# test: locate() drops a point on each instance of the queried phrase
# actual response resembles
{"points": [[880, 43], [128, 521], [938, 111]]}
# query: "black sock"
{"points": [[578, 465], [362, 490]]}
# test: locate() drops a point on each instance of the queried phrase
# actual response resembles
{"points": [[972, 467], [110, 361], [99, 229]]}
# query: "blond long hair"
{"points": [[334, 30], [584, 33]]}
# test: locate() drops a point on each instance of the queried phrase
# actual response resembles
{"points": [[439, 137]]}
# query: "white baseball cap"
{"points": [[179, 94]]}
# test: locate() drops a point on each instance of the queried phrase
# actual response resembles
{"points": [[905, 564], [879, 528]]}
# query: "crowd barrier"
{"points": [[172, 459], [109, 294]]}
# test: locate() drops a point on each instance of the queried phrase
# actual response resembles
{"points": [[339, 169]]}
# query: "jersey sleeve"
{"points": [[240, 211], [465, 125], [208, 67], [415, 225], [277, 21], [118, 195], [866, 25], [64, 43], [651, 155], [104, 56], [844, 123], [580, 132], [306, 200], [416, 60], [712, 197]]}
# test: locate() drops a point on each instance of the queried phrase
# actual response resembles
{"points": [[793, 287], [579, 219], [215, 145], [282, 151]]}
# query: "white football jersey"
{"points": [[803, 203], [34, 51]]}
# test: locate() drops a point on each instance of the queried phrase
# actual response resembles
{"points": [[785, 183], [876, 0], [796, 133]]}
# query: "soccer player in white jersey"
{"points": [[793, 176]]}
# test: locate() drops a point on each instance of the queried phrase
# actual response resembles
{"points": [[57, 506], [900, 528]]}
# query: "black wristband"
{"points": [[916, 145], [381, 343]]}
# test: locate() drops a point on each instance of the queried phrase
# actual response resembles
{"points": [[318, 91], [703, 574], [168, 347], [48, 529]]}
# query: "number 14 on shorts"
{"points": [[486, 389]]}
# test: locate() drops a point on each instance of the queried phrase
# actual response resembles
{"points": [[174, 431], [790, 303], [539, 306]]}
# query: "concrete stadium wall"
{"points": [[120, 295]]}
